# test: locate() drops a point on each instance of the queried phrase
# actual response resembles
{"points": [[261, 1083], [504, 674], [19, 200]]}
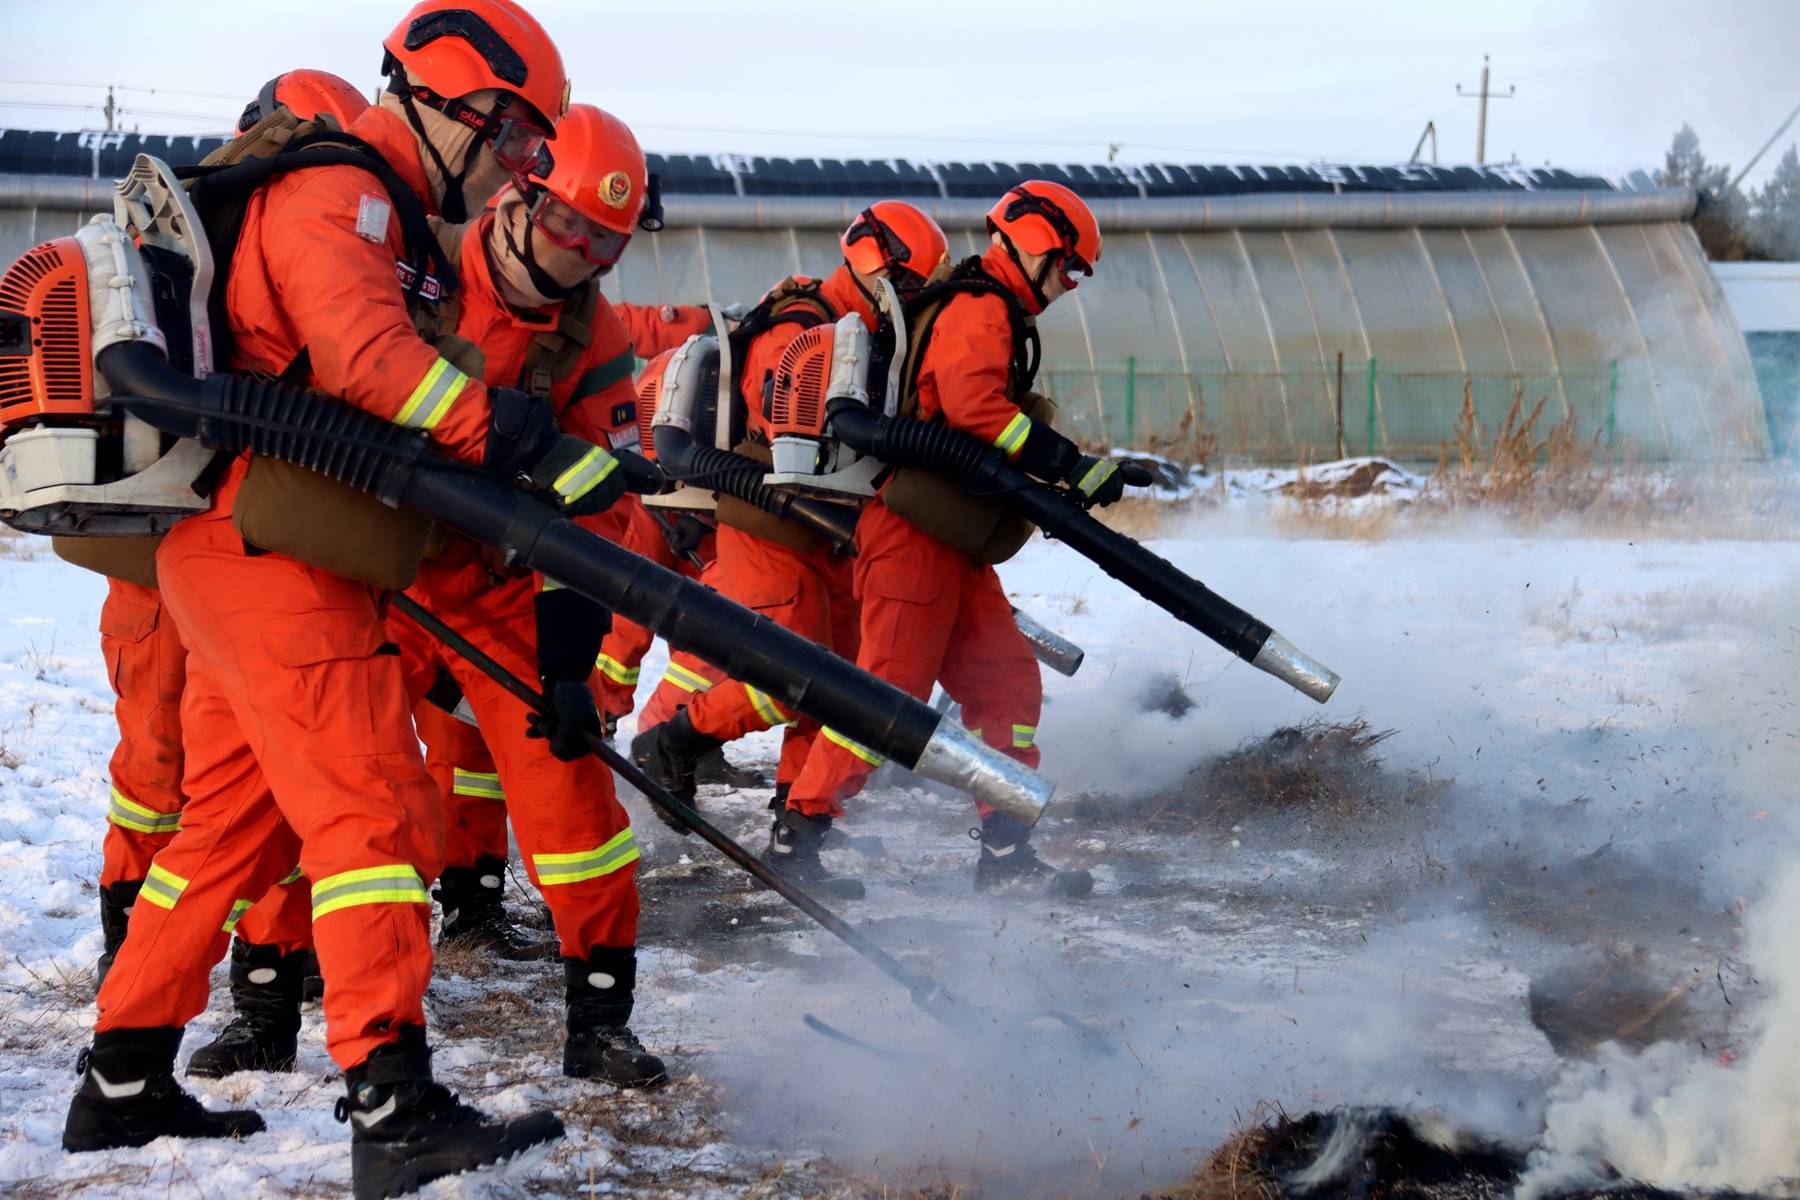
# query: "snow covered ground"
{"points": [[1613, 715]]}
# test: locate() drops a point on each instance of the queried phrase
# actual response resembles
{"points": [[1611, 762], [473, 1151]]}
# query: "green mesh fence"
{"points": [[1285, 416]]}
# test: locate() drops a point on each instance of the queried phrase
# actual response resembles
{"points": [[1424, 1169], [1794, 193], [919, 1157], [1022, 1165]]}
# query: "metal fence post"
{"points": [[1131, 400], [1612, 406], [1369, 436]]}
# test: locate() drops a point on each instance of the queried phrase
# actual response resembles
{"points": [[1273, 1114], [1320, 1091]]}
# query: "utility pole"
{"points": [[109, 108], [1481, 121]]}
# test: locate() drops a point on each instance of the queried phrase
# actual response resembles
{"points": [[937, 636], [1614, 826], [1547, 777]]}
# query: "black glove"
{"points": [[524, 446], [570, 628], [684, 534], [572, 717], [1101, 481]]}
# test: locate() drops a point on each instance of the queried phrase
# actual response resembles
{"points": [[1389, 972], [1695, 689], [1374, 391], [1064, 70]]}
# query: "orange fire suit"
{"points": [[297, 724], [654, 328], [929, 613], [575, 836], [147, 667], [807, 591]]}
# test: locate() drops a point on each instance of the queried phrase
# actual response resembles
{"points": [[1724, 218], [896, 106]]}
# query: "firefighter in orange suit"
{"points": [[296, 717], [530, 306], [145, 661], [804, 585], [930, 613]]}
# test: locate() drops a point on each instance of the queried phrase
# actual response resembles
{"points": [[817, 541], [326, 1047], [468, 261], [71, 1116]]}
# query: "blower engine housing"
{"points": [[681, 388], [824, 365], [72, 462]]}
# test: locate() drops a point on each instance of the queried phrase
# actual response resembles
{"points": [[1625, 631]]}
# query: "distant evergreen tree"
{"points": [[1723, 222], [1775, 219]]}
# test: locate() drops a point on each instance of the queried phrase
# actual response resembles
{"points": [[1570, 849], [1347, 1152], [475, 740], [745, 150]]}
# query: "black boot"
{"points": [[1009, 864], [474, 915], [714, 768], [116, 900], [129, 1097], [265, 990], [669, 753], [312, 984], [794, 843], [406, 1131], [601, 1044]]}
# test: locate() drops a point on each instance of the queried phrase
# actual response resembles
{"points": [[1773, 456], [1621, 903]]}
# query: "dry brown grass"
{"points": [[1235, 1171], [1324, 772]]}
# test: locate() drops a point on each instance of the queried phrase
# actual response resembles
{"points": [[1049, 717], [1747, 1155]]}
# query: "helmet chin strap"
{"points": [[1036, 282], [452, 205], [541, 279]]}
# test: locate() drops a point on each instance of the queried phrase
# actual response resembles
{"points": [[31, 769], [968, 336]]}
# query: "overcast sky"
{"points": [[1602, 84]]}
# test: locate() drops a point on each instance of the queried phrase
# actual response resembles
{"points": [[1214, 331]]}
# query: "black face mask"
{"points": [[541, 279]]}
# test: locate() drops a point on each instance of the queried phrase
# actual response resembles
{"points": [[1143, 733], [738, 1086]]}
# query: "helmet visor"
{"points": [[572, 231]]}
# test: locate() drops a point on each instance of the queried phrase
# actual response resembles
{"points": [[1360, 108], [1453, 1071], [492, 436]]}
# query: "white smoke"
{"points": [[1677, 1117]]}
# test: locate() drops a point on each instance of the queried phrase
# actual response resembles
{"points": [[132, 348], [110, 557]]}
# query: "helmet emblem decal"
{"points": [[615, 189]]}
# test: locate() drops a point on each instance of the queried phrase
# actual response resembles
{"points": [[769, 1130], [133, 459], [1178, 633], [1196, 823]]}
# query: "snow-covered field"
{"points": [[1613, 715]]}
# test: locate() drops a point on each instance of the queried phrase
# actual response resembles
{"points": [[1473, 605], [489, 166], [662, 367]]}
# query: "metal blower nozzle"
{"points": [[1280, 658], [958, 758]]}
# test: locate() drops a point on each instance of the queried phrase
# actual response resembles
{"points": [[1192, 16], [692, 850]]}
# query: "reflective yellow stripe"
{"points": [[433, 397], [1014, 435], [1096, 475], [396, 884], [861, 751], [975, 733], [766, 708], [586, 474], [238, 909], [686, 680], [476, 783], [617, 671], [162, 887], [1023, 736], [292, 876], [129, 814], [550, 585], [553, 869]]}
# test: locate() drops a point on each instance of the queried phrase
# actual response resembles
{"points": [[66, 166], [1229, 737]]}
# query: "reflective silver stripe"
{"points": [[436, 392], [238, 909], [162, 887], [1014, 435], [397, 884], [553, 869], [483, 784], [129, 814], [587, 472], [1099, 473]]}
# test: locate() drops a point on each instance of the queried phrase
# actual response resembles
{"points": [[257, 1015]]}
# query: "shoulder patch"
{"points": [[372, 214]]}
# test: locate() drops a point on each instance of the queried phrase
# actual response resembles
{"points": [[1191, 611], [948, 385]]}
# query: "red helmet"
{"points": [[451, 48], [306, 94], [592, 189], [1039, 217], [899, 237]]}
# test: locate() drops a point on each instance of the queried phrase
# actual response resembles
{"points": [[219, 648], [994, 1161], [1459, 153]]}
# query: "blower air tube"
{"points": [[734, 475], [232, 413], [970, 462]]}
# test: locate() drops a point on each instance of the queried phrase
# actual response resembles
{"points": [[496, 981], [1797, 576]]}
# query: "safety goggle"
{"points": [[515, 142], [1068, 266], [894, 252], [572, 231]]}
